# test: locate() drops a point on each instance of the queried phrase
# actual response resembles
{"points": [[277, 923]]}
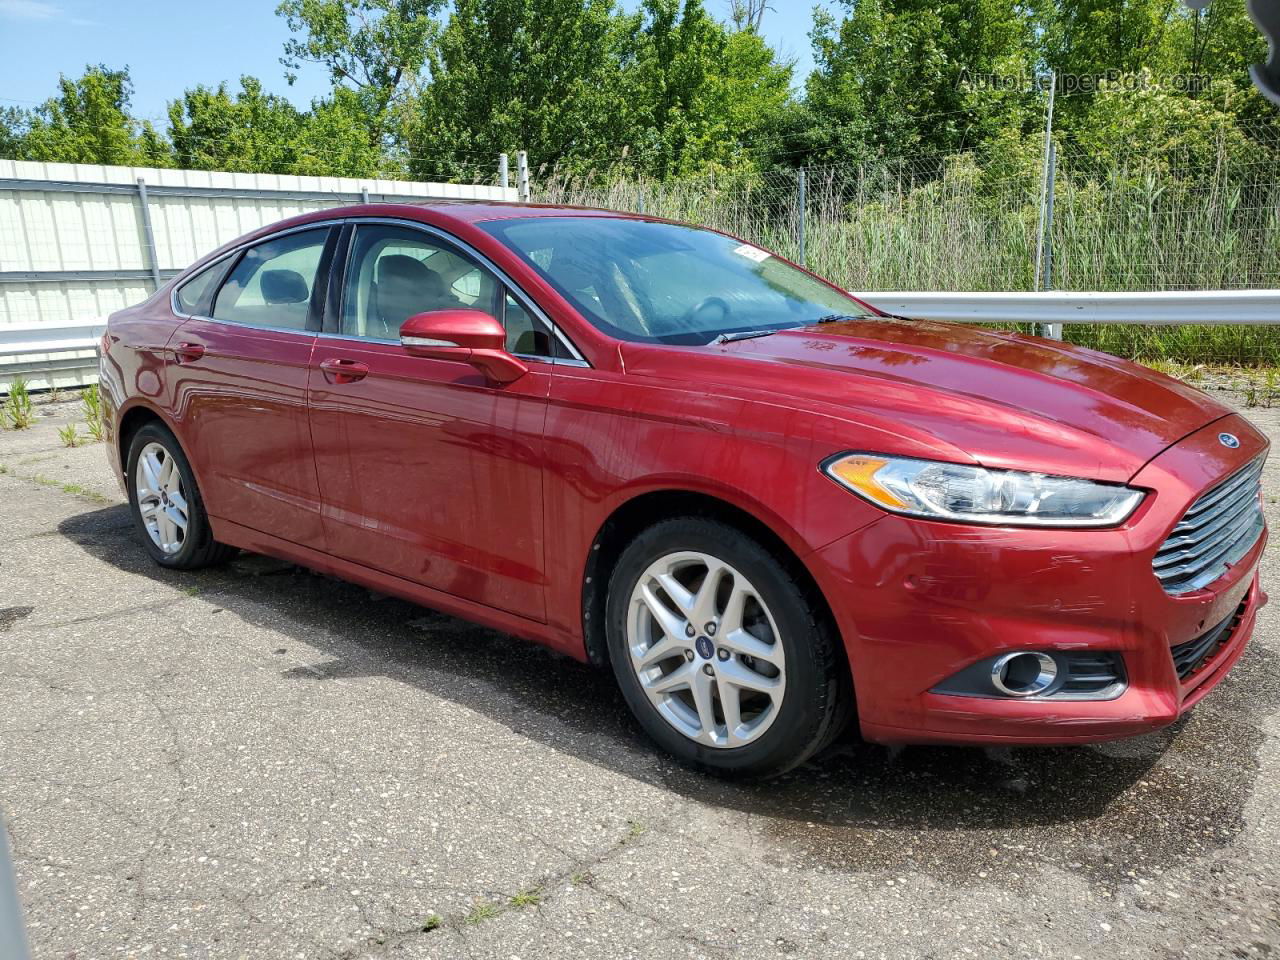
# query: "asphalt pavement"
{"points": [[257, 761]]}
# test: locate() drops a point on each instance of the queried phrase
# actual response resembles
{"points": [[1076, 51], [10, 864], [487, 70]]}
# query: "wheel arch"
{"points": [[643, 510], [132, 419]]}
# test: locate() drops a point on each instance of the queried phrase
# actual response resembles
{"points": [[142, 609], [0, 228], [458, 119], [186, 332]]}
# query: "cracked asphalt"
{"points": [[260, 762]]}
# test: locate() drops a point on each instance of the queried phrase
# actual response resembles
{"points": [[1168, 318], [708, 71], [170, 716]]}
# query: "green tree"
{"points": [[13, 123], [374, 49], [89, 122], [904, 76], [539, 75], [333, 141], [701, 96], [252, 130]]}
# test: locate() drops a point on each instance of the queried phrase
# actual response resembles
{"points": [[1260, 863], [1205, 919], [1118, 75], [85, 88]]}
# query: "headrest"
{"points": [[399, 269], [283, 286]]}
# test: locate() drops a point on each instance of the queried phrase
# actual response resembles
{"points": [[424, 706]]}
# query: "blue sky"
{"points": [[175, 45]]}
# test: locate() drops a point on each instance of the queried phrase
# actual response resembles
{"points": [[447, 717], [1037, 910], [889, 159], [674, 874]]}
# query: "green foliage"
{"points": [[91, 408], [539, 75], [249, 131], [373, 49], [701, 97], [89, 122], [18, 411], [70, 436], [898, 76]]}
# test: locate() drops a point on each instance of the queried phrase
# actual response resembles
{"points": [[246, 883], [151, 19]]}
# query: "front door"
{"points": [[239, 379], [427, 471]]}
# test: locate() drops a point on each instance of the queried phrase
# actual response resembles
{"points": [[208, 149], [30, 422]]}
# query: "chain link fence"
{"points": [[1191, 218]]}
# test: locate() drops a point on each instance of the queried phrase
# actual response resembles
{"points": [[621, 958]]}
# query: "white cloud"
{"points": [[35, 10]]}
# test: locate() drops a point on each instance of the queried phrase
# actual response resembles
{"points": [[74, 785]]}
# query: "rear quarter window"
{"points": [[194, 295]]}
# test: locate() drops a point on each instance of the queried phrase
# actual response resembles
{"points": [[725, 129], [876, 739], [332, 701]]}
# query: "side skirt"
{"points": [[226, 531]]}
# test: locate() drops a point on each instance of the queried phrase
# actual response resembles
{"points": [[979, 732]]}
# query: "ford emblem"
{"points": [[1229, 440]]}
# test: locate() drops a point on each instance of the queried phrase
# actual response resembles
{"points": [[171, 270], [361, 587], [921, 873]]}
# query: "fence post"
{"points": [[640, 201], [800, 212], [1044, 178], [504, 173], [148, 234], [522, 176], [364, 195], [1051, 330]]}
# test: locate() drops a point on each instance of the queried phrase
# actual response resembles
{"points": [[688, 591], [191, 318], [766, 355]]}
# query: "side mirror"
{"points": [[467, 336]]}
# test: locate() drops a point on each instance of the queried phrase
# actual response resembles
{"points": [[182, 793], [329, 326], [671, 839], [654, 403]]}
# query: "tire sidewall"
{"points": [[800, 717], [198, 533]]}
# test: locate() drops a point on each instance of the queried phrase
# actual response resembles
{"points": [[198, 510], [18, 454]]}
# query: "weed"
{"points": [[70, 436], [582, 879], [4, 468], [481, 912], [91, 407], [527, 898], [433, 922], [192, 591], [634, 829], [18, 411], [76, 490]]}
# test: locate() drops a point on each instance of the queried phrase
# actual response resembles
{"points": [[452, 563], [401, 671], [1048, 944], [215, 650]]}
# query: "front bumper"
{"points": [[918, 601]]}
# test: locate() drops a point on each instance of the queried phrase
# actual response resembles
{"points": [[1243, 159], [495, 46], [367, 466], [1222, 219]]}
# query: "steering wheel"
{"points": [[701, 305]]}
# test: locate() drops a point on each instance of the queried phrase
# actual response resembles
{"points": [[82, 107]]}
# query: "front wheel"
{"points": [[166, 504], [721, 654]]}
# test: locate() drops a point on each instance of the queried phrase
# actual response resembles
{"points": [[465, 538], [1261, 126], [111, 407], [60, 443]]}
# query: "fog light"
{"points": [[1023, 674]]}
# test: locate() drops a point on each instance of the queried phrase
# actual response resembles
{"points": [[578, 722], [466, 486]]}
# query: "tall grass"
{"points": [[968, 224]]}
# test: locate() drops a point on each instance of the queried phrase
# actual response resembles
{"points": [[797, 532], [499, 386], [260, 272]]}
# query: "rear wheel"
{"points": [[721, 654], [166, 504]]}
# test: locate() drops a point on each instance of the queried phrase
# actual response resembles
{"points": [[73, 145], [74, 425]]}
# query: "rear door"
{"points": [[239, 379]]}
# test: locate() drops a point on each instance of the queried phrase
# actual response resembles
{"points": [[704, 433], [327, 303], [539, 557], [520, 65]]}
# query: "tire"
{"points": [[169, 543], [800, 698]]}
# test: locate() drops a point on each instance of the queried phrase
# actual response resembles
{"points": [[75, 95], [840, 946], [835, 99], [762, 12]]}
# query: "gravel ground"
{"points": [[257, 761]]}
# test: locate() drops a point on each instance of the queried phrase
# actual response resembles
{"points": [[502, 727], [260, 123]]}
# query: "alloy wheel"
{"points": [[162, 501], [706, 649]]}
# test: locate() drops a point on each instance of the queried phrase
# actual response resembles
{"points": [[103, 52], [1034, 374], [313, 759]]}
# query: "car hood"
{"points": [[1004, 400]]}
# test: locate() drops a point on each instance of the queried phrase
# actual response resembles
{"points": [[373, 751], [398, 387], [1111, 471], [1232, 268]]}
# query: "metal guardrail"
{"points": [[1165, 308], [59, 345]]}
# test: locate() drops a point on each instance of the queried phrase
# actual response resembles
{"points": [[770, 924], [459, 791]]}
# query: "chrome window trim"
{"points": [[532, 358], [235, 251], [577, 359]]}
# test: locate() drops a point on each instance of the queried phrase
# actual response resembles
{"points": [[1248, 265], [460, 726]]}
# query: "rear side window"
{"points": [[194, 295], [272, 284]]}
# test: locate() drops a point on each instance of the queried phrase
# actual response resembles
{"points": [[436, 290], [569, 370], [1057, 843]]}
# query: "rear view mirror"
{"points": [[467, 336]]}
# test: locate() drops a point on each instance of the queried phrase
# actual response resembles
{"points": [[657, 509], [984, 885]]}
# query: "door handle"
{"points": [[189, 352], [344, 371]]}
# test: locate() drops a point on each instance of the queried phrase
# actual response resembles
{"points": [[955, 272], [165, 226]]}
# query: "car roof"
{"points": [[478, 211]]}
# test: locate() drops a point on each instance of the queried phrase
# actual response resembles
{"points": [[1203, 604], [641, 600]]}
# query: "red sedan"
{"points": [[765, 505]]}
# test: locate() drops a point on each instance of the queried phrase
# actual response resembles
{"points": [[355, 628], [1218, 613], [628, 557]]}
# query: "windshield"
{"points": [[667, 283]]}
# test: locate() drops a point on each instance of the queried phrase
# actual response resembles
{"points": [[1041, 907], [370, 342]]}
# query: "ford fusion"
{"points": [[768, 508]]}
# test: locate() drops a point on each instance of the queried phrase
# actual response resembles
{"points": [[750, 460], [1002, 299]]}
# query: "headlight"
{"points": [[964, 494]]}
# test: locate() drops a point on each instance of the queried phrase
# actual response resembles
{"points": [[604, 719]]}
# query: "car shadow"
{"points": [[1170, 796]]}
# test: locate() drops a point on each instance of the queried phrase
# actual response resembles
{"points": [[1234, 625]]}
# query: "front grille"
{"points": [[1191, 656], [1215, 532]]}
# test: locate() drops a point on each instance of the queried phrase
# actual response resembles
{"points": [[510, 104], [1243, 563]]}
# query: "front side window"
{"points": [[667, 283], [396, 272], [273, 283]]}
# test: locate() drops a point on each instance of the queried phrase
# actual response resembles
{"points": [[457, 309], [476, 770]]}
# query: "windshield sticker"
{"points": [[752, 253]]}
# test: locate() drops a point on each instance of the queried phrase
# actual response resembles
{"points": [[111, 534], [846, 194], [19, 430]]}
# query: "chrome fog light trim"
{"points": [[1023, 673]]}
